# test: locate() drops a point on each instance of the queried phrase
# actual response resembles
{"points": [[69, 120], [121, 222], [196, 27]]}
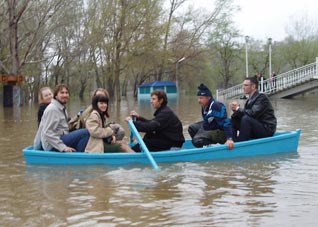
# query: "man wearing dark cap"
{"points": [[216, 126]]}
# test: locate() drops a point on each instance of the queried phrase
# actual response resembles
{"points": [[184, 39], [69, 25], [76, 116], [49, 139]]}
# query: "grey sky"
{"points": [[263, 19]]}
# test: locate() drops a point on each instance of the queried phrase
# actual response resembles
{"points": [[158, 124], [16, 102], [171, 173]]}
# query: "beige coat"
{"points": [[97, 133]]}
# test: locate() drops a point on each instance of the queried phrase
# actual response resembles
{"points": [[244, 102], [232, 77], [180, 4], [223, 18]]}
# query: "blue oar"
{"points": [[142, 144], [132, 143]]}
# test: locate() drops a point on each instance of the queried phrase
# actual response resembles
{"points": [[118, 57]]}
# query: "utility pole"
{"points": [[246, 54]]}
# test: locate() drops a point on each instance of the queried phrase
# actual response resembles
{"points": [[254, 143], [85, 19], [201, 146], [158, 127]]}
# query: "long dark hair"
{"points": [[95, 100], [101, 90]]}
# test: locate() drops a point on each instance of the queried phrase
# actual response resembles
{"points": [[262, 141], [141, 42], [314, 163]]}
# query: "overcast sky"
{"points": [[262, 19]]}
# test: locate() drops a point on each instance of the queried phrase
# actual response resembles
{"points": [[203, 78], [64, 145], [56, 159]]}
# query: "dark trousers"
{"points": [[248, 128], [201, 137], [157, 144]]}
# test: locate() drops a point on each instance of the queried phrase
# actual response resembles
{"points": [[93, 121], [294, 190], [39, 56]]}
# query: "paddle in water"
{"points": [[142, 144]]}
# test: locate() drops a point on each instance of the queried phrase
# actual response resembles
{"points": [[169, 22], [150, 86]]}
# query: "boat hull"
{"points": [[281, 142]]}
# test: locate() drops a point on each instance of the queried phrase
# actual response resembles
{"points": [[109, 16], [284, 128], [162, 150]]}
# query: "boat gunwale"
{"points": [[167, 153]]}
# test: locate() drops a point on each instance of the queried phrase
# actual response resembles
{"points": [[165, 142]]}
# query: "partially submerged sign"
{"points": [[11, 79]]}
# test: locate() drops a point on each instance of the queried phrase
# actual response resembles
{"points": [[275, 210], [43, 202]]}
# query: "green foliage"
{"points": [[121, 44]]}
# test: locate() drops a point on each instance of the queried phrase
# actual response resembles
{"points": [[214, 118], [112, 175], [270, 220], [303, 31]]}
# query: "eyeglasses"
{"points": [[246, 85]]}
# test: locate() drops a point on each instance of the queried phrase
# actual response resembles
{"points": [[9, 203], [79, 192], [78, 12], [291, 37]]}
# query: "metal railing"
{"points": [[279, 83]]}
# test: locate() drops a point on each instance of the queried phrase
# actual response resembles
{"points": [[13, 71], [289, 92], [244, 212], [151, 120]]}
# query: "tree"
{"points": [[300, 47], [27, 33], [226, 51]]}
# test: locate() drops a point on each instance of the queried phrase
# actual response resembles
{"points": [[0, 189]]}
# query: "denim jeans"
{"points": [[77, 139]]}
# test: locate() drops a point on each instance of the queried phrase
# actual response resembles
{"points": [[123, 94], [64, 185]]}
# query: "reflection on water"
{"points": [[262, 191]]}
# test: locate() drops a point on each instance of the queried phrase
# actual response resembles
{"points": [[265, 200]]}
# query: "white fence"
{"points": [[280, 82]]}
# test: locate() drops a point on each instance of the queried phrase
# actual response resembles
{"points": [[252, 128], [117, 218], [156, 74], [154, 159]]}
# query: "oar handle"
{"points": [[142, 144], [131, 132]]}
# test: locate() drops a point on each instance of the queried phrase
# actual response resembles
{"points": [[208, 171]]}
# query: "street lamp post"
{"points": [[177, 69], [270, 56], [246, 54]]}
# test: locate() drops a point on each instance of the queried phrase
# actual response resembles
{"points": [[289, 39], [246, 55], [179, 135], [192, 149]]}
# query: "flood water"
{"points": [[277, 190]]}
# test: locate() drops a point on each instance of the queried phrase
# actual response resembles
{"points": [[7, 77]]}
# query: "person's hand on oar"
{"points": [[134, 115]]}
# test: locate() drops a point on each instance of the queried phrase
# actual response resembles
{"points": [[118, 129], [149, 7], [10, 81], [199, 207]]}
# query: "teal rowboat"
{"points": [[279, 143]]}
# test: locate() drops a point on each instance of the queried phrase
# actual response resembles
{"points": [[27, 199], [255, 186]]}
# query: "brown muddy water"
{"points": [[277, 190]]}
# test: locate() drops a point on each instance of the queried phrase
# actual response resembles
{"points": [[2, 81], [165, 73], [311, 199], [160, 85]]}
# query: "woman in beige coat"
{"points": [[79, 121], [102, 136]]}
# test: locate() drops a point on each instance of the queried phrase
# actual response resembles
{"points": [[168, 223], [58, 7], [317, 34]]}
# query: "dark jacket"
{"points": [[166, 126], [42, 107], [215, 117], [260, 108]]}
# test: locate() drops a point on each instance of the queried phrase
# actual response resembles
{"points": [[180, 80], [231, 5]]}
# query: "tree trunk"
{"points": [[14, 17]]}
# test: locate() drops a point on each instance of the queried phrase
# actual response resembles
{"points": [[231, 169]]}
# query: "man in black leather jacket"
{"points": [[257, 119]]}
